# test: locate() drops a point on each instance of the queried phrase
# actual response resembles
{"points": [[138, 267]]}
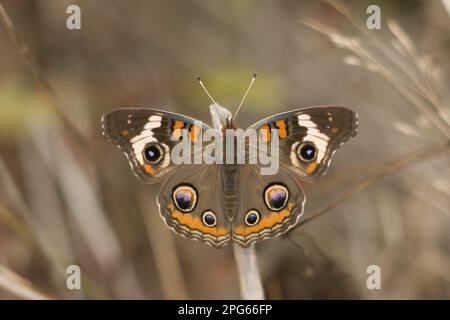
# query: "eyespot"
{"points": [[185, 198], [153, 153], [209, 218], [307, 151], [251, 217], [276, 197]]}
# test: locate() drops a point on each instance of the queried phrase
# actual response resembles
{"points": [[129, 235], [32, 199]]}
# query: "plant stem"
{"points": [[24, 51], [248, 271], [20, 287], [387, 170]]}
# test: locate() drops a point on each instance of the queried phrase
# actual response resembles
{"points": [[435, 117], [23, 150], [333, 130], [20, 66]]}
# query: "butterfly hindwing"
{"points": [[269, 205], [190, 202], [194, 192]]}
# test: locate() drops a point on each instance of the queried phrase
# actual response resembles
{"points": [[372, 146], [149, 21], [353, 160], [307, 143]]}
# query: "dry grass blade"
{"points": [[164, 250], [249, 275], [18, 286], [22, 48], [86, 208], [388, 169], [412, 74], [446, 4], [16, 224], [407, 75]]}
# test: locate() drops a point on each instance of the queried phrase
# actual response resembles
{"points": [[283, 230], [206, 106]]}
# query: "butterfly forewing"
{"points": [[309, 137], [147, 136]]}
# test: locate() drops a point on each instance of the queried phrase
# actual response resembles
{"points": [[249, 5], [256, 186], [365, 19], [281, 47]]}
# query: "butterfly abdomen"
{"points": [[230, 184]]}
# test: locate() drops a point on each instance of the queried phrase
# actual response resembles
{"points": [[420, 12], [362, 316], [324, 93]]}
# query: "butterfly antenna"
{"points": [[245, 95], [204, 88]]}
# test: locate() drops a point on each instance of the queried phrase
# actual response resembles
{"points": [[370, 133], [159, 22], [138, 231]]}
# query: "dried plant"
{"points": [[413, 75], [64, 201]]}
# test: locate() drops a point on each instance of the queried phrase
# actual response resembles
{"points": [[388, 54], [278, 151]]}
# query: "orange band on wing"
{"points": [[193, 133], [149, 169], [194, 223], [282, 128], [176, 129], [266, 222], [311, 167], [124, 133], [265, 132]]}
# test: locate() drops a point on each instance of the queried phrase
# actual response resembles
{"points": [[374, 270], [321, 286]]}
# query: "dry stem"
{"points": [[18, 286], [249, 275], [395, 166]]}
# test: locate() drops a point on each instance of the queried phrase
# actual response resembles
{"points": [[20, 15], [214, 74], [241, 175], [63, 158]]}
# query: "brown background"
{"points": [[69, 197]]}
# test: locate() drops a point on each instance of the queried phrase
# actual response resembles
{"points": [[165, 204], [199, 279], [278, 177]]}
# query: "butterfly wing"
{"points": [[269, 205], [147, 136], [309, 137], [190, 202]]}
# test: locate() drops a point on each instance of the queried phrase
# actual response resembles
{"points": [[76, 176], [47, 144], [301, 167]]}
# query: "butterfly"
{"points": [[222, 203]]}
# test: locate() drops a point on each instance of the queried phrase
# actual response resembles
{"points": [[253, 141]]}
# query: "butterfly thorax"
{"points": [[230, 185], [230, 175]]}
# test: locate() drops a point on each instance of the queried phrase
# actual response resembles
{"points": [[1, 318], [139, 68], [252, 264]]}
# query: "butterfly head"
{"points": [[222, 118], [229, 124]]}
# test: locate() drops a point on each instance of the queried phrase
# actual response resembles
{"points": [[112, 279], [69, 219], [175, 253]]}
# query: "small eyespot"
{"points": [[209, 218], [153, 153], [276, 197], [307, 151], [251, 217], [185, 198]]}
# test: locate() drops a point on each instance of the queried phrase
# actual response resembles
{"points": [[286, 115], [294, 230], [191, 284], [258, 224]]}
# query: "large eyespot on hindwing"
{"points": [[251, 218], [185, 198], [209, 218], [153, 153], [306, 151], [276, 196]]}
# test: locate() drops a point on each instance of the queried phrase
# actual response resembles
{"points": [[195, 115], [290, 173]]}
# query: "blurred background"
{"points": [[67, 197]]}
